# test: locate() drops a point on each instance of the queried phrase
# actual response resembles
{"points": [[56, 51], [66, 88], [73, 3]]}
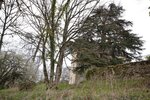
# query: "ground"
{"points": [[133, 89], [133, 83]]}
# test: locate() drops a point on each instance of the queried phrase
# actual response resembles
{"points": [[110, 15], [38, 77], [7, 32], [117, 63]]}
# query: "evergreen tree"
{"points": [[106, 40]]}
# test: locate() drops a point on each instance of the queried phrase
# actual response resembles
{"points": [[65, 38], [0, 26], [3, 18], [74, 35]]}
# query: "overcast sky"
{"points": [[137, 11]]}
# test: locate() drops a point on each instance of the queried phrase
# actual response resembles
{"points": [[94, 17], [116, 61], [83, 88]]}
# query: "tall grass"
{"points": [[109, 89]]}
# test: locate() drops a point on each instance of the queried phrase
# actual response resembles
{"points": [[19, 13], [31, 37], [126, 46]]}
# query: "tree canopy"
{"points": [[105, 39]]}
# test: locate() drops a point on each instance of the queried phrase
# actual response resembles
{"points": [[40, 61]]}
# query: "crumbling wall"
{"points": [[129, 70]]}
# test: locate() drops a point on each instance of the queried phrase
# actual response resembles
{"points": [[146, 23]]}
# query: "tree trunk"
{"points": [[52, 40], [59, 66], [46, 80], [52, 54], [45, 69]]}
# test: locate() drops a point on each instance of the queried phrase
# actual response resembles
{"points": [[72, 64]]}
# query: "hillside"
{"points": [[132, 83]]}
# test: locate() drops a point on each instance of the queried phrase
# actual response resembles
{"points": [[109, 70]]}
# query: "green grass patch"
{"points": [[89, 90]]}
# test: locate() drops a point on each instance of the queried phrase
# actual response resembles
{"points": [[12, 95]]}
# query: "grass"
{"points": [[88, 90]]}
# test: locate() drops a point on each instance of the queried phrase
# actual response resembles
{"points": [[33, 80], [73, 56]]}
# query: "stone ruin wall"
{"points": [[129, 70]]}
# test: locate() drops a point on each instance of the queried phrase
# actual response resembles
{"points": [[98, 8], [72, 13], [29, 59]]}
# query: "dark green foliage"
{"points": [[106, 40]]}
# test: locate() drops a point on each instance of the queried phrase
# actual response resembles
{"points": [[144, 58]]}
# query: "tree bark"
{"points": [[59, 66], [52, 40], [46, 80], [52, 59]]}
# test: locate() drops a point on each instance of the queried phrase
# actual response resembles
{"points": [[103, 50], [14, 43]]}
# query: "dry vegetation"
{"points": [[108, 88], [132, 70], [89, 90]]}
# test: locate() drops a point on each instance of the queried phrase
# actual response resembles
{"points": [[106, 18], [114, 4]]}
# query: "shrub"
{"points": [[11, 68], [29, 85], [94, 73], [14, 68]]}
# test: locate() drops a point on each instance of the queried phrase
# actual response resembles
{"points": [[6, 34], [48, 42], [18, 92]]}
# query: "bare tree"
{"points": [[1, 1], [8, 19], [55, 24]]}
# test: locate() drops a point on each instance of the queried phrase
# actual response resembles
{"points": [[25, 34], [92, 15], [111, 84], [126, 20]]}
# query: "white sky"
{"points": [[137, 11]]}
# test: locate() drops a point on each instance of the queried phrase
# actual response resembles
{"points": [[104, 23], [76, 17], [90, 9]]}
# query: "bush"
{"points": [[94, 73], [14, 68], [11, 68], [29, 85]]}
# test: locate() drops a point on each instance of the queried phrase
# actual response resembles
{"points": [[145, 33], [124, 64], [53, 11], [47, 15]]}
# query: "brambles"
{"points": [[28, 85]]}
